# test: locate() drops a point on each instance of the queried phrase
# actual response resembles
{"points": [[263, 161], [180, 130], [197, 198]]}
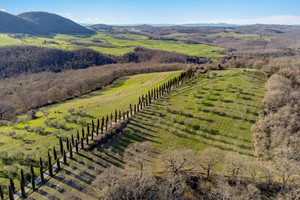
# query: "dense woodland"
{"points": [[15, 60]]}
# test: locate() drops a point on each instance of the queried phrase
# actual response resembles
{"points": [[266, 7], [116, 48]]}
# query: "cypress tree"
{"points": [[54, 153], [92, 136], [61, 146], [78, 137], [50, 170], [22, 184], [106, 122], [41, 171], [58, 164], [87, 130], [22, 178], [73, 141], [11, 193], [32, 177], [127, 114], [102, 125], [120, 116], [146, 99], [67, 144], [116, 116], [76, 146], [82, 145], [82, 131], [130, 107], [139, 100], [98, 127], [134, 108], [87, 140], [65, 158], [93, 126], [71, 151], [111, 119], [138, 107], [1, 194], [12, 185]]}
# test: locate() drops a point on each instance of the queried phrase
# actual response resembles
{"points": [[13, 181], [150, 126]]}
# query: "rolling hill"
{"points": [[39, 23]]}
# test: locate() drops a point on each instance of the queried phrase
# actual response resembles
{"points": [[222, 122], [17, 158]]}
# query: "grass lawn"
{"points": [[207, 112]]}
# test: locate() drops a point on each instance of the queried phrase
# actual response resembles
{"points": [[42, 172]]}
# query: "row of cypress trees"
{"points": [[88, 134]]}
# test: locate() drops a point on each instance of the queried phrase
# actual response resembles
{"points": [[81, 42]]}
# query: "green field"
{"points": [[25, 144], [216, 111], [116, 44]]}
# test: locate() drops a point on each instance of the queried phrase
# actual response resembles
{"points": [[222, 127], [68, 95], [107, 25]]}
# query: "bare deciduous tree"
{"points": [[208, 159], [138, 154]]}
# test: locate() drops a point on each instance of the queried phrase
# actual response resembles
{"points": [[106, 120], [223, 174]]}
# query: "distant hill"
{"points": [[14, 24], [39, 23], [52, 23]]}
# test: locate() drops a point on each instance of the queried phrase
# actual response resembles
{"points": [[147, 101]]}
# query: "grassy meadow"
{"points": [[210, 111], [28, 139], [115, 44]]}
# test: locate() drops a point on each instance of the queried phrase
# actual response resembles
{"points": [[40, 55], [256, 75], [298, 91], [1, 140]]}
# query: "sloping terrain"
{"points": [[207, 112], [39, 23]]}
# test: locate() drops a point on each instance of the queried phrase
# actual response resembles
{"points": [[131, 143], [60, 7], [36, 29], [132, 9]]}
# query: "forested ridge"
{"points": [[16, 60]]}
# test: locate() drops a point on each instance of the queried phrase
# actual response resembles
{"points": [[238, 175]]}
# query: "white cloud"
{"points": [[3, 10], [279, 19], [66, 15], [91, 21]]}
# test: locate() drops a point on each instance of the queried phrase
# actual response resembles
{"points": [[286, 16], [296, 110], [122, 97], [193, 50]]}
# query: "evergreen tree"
{"points": [[106, 122], [102, 125], [65, 158], [22, 178], [32, 177], [116, 116], [92, 136], [82, 145], [87, 140], [127, 114], [120, 115], [11, 193], [1, 194], [82, 132], [71, 151], [58, 164], [22, 185], [12, 185], [73, 141], [111, 119], [41, 171], [93, 126], [67, 143], [134, 108], [54, 153], [61, 146], [78, 137], [138, 107], [98, 127], [76, 146], [130, 107], [87, 130], [50, 170]]}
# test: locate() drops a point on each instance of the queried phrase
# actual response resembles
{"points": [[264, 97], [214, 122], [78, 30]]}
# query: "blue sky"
{"points": [[164, 11]]}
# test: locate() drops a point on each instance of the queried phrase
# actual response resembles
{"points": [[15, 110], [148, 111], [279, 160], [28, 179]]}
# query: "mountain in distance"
{"points": [[13, 24], [39, 23]]}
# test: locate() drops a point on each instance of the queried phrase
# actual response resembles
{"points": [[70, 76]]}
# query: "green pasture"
{"points": [[116, 44], [25, 141]]}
